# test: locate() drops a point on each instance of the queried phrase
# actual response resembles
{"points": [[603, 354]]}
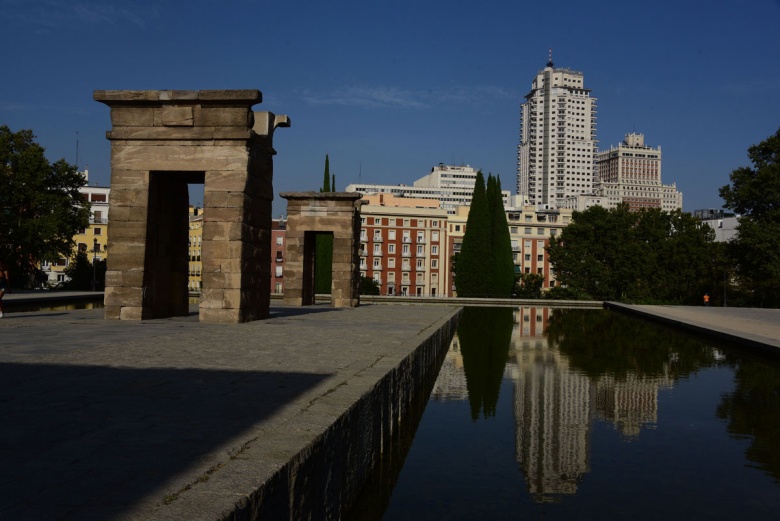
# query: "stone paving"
{"points": [[107, 419], [754, 327]]}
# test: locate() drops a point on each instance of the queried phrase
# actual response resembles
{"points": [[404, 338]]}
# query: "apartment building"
{"points": [[530, 230], [402, 245], [450, 186], [92, 239], [557, 138], [195, 243], [278, 230]]}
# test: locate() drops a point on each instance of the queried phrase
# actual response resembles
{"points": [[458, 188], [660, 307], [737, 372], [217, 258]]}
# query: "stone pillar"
{"points": [[160, 141], [310, 213]]}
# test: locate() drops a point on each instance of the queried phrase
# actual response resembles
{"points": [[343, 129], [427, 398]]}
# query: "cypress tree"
{"points": [[323, 256], [474, 262], [326, 176], [503, 269]]}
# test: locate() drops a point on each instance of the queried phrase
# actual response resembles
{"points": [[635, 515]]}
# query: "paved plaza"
{"points": [[108, 419], [179, 419]]}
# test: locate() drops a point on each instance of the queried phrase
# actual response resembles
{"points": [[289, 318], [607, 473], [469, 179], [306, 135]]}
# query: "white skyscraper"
{"points": [[557, 138]]}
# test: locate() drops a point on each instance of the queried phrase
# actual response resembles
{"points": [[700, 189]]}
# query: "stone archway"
{"points": [[160, 142], [312, 213]]}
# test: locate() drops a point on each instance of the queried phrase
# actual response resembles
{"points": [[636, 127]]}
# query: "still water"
{"points": [[586, 414]]}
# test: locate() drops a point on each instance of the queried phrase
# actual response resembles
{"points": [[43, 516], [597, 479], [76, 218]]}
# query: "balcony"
{"points": [[420, 240], [407, 240], [378, 253], [406, 254], [378, 238], [406, 268]]}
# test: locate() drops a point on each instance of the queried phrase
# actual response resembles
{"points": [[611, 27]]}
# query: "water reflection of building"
{"points": [[552, 406], [451, 382], [630, 403]]}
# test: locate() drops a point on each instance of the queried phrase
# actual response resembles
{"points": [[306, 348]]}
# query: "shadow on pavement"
{"points": [[87, 442]]}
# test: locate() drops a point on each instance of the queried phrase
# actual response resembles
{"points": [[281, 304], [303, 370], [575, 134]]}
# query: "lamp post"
{"points": [[94, 261]]}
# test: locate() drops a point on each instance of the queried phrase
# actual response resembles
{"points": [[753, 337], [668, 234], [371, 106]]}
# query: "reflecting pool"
{"points": [[586, 414]]}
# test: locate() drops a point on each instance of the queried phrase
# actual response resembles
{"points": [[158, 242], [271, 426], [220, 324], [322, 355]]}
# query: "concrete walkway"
{"points": [[754, 327], [176, 419]]}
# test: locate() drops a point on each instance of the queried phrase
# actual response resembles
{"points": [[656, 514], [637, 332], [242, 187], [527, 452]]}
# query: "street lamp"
{"points": [[94, 261]]}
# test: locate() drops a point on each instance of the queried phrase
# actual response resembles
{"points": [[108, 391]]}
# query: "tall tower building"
{"points": [[557, 138]]}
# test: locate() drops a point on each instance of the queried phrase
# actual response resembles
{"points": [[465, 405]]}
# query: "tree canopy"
{"points": [[754, 193], [646, 256], [41, 208], [484, 267], [471, 269]]}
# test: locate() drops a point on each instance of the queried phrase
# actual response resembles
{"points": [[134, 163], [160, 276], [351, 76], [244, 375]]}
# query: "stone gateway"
{"points": [[161, 141]]}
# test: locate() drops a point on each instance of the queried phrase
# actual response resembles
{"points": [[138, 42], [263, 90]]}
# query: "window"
{"points": [[405, 249], [435, 249], [528, 257], [540, 231], [391, 262], [540, 271], [513, 229], [377, 221], [98, 231], [528, 231], [391, 235], [457, 227], [377, 249], [279, 240], [434, 224], [540, 258], [279, 271], [420, 248], [377, 263], [391, 248], [434, 263], [277, 287], [420, 264], [435, 236]]}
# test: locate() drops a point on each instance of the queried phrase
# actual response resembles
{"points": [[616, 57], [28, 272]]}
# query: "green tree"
{"points": [[503, 269], [645, 256], [529, 286], [475, 257], [368, 286], [41, 208], [754, 194], [79, 272], [323, 255]]}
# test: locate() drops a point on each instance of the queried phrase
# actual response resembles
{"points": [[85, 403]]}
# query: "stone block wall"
{"points": [[310, 213], [160, 142]]}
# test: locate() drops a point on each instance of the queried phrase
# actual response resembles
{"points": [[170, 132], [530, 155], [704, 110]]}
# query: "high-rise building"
{"points": [[557, 138], [629, 173]]}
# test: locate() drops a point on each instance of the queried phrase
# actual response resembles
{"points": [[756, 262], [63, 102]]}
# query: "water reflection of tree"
{"points": [[484, 335], [753, 410], [600, 343]]}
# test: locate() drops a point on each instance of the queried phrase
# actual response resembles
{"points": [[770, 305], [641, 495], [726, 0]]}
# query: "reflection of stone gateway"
{"points": [[160, 142], [312, 213]]}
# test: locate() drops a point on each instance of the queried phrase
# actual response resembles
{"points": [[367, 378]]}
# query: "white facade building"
{"points": [[557, 138], [453, 186], [629, 173]]}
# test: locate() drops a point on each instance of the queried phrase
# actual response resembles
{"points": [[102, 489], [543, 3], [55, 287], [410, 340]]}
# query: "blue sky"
{"points": [[391, 89]]}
